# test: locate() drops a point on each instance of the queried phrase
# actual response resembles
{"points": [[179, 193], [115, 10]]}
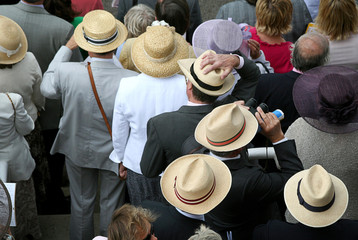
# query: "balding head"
{"points": [[310, 50]]}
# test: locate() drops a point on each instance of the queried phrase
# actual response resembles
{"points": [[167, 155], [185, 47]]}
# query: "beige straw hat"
{"points": [[316, 198], [196, 183], [100, 32], [157, 51], [211, 83], [13, 42], [226, 128]]}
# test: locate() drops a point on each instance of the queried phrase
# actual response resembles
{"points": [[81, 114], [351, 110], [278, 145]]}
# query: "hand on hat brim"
{"points": [[219, 61], [72, 44], [270, 125]]}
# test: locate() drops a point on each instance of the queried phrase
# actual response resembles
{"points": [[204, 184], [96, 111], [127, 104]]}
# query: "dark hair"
{"points": [[175, 13], [252, 2], [223, 154], [61, 8], [203, 97], [32, 1], [310, 50], [5, 66]]}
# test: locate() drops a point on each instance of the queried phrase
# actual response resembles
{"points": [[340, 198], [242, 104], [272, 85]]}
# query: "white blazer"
{"points": [[13, 147]]}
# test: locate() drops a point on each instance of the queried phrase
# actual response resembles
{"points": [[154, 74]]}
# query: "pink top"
{"points": [[279, 55], [85, 6]]}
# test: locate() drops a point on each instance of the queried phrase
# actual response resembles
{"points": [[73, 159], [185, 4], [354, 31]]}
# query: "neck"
{"points": [[271, 39], [105, 56], [34, 3]]}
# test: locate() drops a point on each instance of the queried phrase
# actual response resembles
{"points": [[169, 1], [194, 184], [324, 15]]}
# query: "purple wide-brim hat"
{"points": [[222, 36], [326, 97]]}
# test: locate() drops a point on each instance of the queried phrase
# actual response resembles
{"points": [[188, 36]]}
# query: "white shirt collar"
{"points": [[223, 158], [196, 104], [114, 60], [189, 215], [37, 5]]}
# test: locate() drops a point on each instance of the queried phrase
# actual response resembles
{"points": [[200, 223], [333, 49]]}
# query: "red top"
{"points": [[279, 55], [85, 6]]}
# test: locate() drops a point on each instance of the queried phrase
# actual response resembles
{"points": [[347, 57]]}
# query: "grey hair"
{"points": [[205, 233], [137, 19], [310, 50]]}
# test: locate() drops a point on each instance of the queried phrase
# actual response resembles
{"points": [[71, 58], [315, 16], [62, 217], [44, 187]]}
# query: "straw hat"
{"points": [[316, 198], [226, 128], [13, 42], [210, 83], [157, 51], [196, 183], [100, 32], [221, 36], [327, 98]]}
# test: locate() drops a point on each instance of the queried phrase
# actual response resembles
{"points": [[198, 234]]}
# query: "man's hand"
{"points": [[254, 48], [219, 61], [270, 125], [122, 172], [71, 44]]}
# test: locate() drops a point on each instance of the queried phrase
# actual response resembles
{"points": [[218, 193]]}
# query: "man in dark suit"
{"points": [[275, 89], [167, 132], [226, 131], [317, 200]]}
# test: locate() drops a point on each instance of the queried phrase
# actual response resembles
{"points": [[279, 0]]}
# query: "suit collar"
{"points": [[196, 109], [31, 9]]}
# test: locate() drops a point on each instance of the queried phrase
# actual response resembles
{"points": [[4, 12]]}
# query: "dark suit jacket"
{"points": [[343, 229], [251, 192], [171, 224], [167, 132], [194, 8]]}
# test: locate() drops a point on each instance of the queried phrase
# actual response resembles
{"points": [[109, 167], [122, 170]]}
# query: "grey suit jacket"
{"points": [[242, 12], [45, 34], [83, 136]]}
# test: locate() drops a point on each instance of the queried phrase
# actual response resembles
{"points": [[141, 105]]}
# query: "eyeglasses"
{"points": [[149, 236]]}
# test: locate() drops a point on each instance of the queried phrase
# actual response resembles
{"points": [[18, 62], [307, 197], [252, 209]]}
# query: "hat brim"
{"points": [[246, 137], [222, 177], [159, 69], [17, 57], [201, 34], [306, 99], [229, 81], [82, 42], [315, 219]]}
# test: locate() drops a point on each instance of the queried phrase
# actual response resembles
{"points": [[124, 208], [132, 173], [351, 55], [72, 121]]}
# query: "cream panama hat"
{"points": [[100, 32], [196, 183]]}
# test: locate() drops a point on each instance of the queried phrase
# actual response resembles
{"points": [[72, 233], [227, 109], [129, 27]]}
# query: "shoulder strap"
{"points": [[13, 106], [97, 98]]}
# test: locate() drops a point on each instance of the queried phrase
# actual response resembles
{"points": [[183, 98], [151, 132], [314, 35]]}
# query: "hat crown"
{"points": [[10, 35], [159, 43], [195, 180], [99, 25], [225, 123], [226, 37], [316, 187]]}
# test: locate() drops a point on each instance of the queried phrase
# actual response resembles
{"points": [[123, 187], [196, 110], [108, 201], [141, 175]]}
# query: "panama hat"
{"points": [[157, 51], [210, 83], [100, 32], [196, 183], [327, 98], [13, 42], [316, 198], [226, 128], [219, 35]]}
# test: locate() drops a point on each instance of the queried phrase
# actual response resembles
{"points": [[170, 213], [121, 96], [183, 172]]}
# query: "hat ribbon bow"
{"points": [[8, 52]]}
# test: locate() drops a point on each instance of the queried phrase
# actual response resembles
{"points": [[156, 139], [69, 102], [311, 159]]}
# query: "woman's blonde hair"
{"points": [[273, 16], [337, 18]]}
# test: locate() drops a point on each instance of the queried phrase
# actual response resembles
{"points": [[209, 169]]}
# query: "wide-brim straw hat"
{"points": [[13, 42], [219, 35], [327, 98], [196, 183], [157, 51], [210, 83], [100, 32], [226, 128], [316, 198]]}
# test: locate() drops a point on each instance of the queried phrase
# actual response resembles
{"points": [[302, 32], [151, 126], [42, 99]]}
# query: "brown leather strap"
{"points": [[97, 98], [13, 106]]}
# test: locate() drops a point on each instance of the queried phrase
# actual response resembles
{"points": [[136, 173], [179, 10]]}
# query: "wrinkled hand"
{"points": [[71, 44], [219, 61], [270, 125], [122, 172], [254, 48]]}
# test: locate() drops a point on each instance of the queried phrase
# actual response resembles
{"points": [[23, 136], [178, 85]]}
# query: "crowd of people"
{"points": [[148, 112]]}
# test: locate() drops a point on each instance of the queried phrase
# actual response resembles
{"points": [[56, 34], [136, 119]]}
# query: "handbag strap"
{"points": [[13, 106], [97, 98]]}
